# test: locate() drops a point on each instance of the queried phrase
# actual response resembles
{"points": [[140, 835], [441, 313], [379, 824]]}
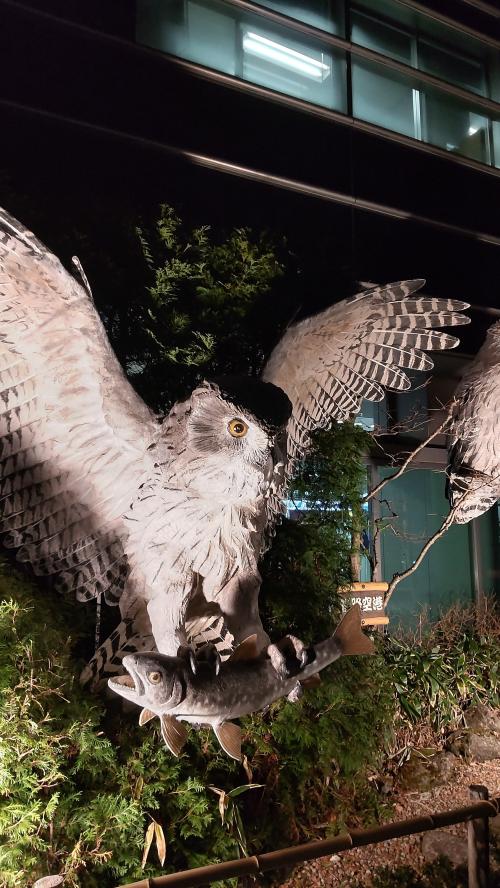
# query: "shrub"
{"points": [[446, 668], [79, 782]]}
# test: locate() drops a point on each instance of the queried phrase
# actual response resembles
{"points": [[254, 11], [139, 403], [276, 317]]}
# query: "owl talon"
{"points": [[296, 693], [207, 654], [278, 661], [289, 656]]}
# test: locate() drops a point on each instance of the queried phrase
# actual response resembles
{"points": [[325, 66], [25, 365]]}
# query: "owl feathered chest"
{"points": [[214, 490], [212, 525]]}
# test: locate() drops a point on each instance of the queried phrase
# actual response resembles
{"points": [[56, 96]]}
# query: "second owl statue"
{"points": [[474, 470]]}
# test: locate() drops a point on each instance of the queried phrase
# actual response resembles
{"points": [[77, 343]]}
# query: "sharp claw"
{"points": [[296, 693], [192, 661], [303, 658], [278, 661]]}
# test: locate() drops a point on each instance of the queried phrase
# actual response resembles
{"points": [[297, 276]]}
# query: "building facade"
{"points": [[366, 131]]}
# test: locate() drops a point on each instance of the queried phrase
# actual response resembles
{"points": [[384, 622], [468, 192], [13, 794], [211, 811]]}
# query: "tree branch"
{"points": [[448, 521], [411, 457]]}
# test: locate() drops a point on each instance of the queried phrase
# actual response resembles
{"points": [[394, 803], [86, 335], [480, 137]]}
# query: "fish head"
{"points": [[153, 681]]}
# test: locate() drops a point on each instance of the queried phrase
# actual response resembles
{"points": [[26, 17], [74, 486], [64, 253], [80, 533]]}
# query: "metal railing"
{"points": [[476, 815]]}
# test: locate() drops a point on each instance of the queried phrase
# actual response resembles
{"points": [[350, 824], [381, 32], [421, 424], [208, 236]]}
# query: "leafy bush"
{"points": [[451, 665], [310, 558], [202, 313], [80, 783]]}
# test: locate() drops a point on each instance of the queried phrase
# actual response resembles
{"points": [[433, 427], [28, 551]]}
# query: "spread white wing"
{"points": [[354, 350], [74, 435], [93, 489], [474, 471]]}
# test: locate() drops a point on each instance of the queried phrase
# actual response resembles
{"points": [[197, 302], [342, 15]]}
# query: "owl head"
{"points": [[237, 418]]}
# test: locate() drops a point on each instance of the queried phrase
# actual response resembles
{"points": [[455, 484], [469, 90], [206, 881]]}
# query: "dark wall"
{"points": [[81, 109]]}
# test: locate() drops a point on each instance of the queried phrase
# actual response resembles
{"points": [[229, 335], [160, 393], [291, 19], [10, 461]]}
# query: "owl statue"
{"points": [[167, 517], [474, 435]]}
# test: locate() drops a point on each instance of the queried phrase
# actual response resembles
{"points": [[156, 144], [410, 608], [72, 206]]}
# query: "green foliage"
{"points": [[79, 782], [316, 755], [453, 665], [310, 558], [207, 297]]}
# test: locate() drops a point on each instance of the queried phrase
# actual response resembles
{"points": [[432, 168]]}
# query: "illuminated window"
{"points": [[405, 105], [248, 46], [228, 39]]}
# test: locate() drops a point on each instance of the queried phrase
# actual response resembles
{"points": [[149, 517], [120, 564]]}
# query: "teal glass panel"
{"points": [[278, 60], [247, 46], [413, 108], [487, 540], [452, 66], [408, 106], [416, 508], [206, 34], [456, 127], [444, 51], [412, 407], [373, 415], [328, 15], [379, 96], [381, 37]]}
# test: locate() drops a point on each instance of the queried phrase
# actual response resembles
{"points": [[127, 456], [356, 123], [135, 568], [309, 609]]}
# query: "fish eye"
{"points": [[154, 677], [237, 428]]}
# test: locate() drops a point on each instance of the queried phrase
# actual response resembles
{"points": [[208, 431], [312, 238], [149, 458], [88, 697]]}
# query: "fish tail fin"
{"points": [[349, 635]]}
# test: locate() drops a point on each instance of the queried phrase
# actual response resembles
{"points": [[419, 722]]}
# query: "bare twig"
{"points": [[448, 521], [411, 457]]}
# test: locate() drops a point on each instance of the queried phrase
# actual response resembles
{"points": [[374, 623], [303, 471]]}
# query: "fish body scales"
{"points": [[242, 688]]}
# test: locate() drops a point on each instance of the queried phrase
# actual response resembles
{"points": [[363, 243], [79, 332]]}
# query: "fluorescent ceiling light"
{"points": [[255, 44], [473, 130]]}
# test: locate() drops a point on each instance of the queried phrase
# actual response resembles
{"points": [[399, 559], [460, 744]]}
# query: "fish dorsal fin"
{"points": [[146, 716], [349, 635], [247, 650], [312, 682], [229, 737], [173, 733]]}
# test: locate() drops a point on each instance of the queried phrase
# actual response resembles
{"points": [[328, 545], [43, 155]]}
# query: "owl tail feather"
{"points": [[127, 638]]}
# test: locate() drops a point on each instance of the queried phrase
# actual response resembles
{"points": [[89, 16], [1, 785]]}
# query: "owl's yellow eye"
{"points": [[154, 677], [237, 428]]}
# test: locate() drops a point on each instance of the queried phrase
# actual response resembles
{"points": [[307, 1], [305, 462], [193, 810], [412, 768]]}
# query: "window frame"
{"points": [[420, 121]]}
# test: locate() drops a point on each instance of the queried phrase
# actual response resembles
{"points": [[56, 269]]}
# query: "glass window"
{"points": [[412, 407], [408, 106], [328, 15], [455, 127], [227, 39], [441, 40], [467, 73], [379, 96], [281, 62], [380, 37], [415, 506], [373, 415]]}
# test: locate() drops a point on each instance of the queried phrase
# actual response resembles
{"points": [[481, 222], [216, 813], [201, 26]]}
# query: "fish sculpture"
{"points": [[180, 689]]}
